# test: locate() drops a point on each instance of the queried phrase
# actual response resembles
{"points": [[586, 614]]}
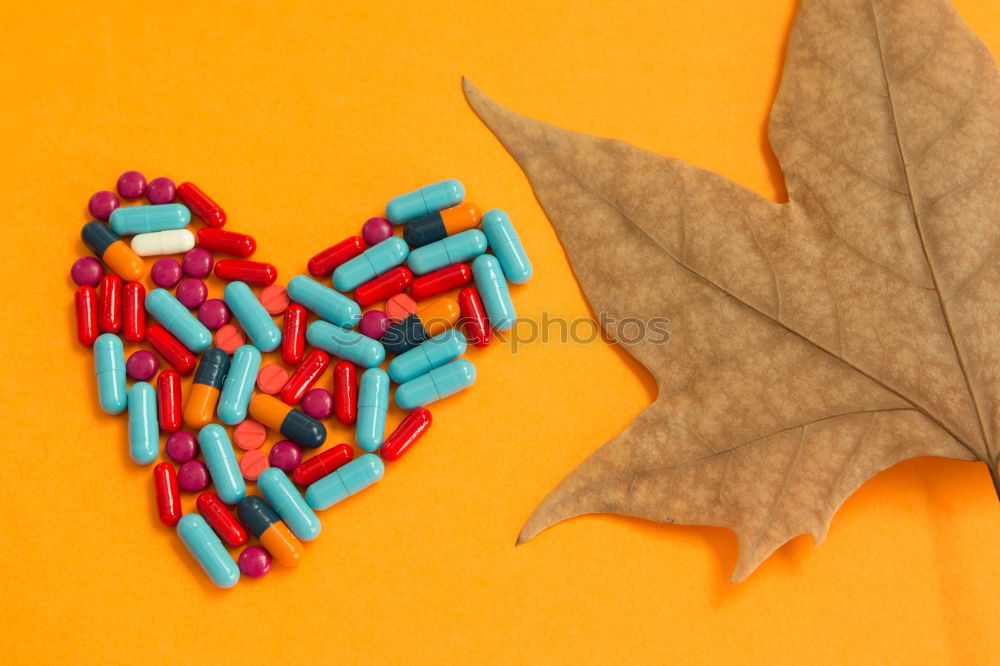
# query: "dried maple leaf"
{"points": [[814, 343]]}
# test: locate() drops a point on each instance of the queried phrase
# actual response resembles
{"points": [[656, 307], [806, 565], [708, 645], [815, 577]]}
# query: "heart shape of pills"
{"points": [[441, 289]]}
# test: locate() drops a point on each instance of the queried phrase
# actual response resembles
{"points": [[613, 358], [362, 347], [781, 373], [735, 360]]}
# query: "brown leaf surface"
{"points": [[814, 343]]}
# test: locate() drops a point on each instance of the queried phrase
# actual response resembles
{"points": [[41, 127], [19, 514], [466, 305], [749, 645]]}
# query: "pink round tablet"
{"points": [[161, 191], [141, 365], [197, 263], [374, 324], [399, 307], [192, 292], [166, 272], [318, 403], [272, 378], [254, 562], [182, 446], [376, 230], [214, 313], [274, 299], [87, 271], [102, 204], [193, 476], [229, 338], [249, 435], [285, 455], [131, 185], [252, 463]]}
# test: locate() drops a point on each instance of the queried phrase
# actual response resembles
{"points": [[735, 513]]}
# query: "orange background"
{"points": [[302, 121]]}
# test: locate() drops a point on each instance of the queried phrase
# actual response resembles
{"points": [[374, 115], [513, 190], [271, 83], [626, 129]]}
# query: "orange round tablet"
{"points": [[252, 463], [274, 299], [400, 306], [229, 338], [272, 378], [249, 435]]}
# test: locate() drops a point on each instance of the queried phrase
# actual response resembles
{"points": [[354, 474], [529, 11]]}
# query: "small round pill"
{"points": [[399, 307], [87, 271], [182, 446], [318, 403], [229, 338], [102, 203], [254, 562], [285, 455], [271, 378], [374, 324], [197, 263], [214, 313], [141, 365], [191, 292], [131, 185], [161, 191], [274, 299], [193, 476], [376, 230], [252, 463], [166, 272], [249, 435]]}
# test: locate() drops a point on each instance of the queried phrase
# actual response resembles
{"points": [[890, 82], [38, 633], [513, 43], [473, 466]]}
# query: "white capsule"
{"points": [[156, 243]]}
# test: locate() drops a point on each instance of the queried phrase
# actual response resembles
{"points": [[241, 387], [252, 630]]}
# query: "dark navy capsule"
{"points": [[404, 335]]}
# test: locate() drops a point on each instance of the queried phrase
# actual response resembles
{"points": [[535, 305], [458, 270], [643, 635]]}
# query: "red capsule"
{"points": [[474, 320], [86, 315], [201, 205], [388, 284], [345, 392], [323, 263], [293, 338], [109, 315], [227, 242], [168, 494], [217, 514], [406, 434], [255, 273], [168, 400], [310, 369], [320, 465], [171, 349], [134, 327], [440, 281]]}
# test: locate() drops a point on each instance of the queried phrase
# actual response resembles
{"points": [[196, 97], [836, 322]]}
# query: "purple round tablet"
{"points": [[102, 203], [318, 403], [374, 324], [214, 313], [193, 476], [191, 292], [86, 271], [285, 455], [376, 230], [141, 365], [166, 272], [161, 191], [254, 561], [182, 446], [131, 185], [197, 263]]}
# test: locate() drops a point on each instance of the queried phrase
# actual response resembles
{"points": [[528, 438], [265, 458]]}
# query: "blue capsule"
{"points": [[325, 302], [109, 366], [178, 320], [507, 246], [447, 251], [349, 480], [221, 462], [373, 403], [237, 389], [131, 220], [493, 289], [255, 320], [437, 384], [143, 428], [207, 549], [346, 344], [424, 201], [370, 264], [426, 356], [289, 504]]}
